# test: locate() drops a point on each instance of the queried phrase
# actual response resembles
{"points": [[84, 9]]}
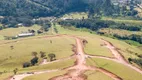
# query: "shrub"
{"points": [[34, 61], [26, 64]]}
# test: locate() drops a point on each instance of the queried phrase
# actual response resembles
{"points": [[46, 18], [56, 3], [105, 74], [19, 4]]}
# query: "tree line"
{"points": [[96, 24]]}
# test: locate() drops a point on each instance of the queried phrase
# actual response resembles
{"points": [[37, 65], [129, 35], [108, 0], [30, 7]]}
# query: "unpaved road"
{"points": [[119, 57], [59, 60], [75, 72], [22, 76]]}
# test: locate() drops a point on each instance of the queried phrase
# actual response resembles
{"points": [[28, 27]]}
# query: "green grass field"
{"points": [[124, 72], [60, 46], [76, 15], [123, 20], [42, 76], [96, 75], [95, 38], [94, 47], [15, 31], [120, 31], [1, 37], [52, 66]]}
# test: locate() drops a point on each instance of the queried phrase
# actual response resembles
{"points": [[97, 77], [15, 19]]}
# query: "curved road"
{"points": [[75, 72]]}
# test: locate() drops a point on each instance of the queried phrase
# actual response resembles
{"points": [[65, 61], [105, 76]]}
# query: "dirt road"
{"points": [[22, 76], [119, 57], [75, 72]]}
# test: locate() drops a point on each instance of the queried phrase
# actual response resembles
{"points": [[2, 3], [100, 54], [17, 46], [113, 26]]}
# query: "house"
{"points": [[20, 25]]}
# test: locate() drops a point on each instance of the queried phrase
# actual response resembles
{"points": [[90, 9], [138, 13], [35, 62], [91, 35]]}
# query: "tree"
{"points": [[26, 64], [34, 61], [15, 71], [52, 56], [42, 54], [129, 59], [34, 54]]}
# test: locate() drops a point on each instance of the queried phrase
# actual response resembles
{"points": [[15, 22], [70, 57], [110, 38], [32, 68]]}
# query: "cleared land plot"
{"points": [[10, 59], [124, 72]]}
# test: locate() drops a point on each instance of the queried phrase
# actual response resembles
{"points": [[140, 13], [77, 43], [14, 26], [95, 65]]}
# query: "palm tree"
{"points": [[52, 56]]}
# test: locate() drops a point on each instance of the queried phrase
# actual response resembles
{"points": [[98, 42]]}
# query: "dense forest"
{"points": [[41, 8]]}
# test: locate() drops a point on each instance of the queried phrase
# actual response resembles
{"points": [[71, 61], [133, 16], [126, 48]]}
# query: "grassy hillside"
{"points": [[119, 69], [123, 46], [9, 57], [61, 46]]}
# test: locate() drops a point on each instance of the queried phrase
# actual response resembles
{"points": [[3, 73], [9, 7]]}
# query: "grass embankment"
{"points": [[123, 71]]}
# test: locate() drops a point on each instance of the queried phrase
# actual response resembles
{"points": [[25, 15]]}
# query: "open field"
{"points": [[123, 46], [96, 75], [94, 43], [125, 72], [120, 31], [93, 47], [56, 65], [61, 46], [15, 31], [132, 22], [1, 37], [9, 57], [45, 76], [76, 15]]}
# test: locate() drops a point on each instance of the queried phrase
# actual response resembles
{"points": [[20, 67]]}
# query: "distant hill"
{"points": [[43, 8]]}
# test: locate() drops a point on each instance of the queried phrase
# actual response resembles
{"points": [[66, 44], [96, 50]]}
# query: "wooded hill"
{"points": [[41, 8]]}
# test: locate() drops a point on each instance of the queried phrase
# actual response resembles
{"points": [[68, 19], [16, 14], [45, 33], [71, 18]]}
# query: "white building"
{"points": [[25, 34]]}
